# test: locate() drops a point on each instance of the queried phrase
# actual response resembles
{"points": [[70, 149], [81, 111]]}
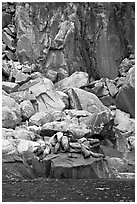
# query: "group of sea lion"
{"points": [[63, 142]]}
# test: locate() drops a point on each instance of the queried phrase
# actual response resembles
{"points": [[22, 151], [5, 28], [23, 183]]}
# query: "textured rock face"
{"points": [[92, 37]]}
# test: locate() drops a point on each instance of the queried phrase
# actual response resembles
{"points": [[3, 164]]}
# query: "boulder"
{"points": [[83, 100], [8, 40], [12, 104], [14, 168], [47, 98], [9, 87], [74, 166], [8, 147], [64, 97], [107, 100], [123, 121], [40, 118], [76, 80], [125, 99], [6, 19], [9, 118], [8, 133], [27, 109], [113, 90], [71, 126], [51, 74], [22, 133], [62, 73], [21, 78]]}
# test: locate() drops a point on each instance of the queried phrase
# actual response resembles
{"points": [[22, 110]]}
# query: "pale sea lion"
{"points": [[65, 143]]}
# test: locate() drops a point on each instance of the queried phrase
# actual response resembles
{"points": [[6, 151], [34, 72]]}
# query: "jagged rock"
{"points": [[6, 19], [123, 121], [40, 118], [62, 73], [47, 98], [21, 78], [8, 40], [27, 109], [125, 65], [80, 99], [113, 90], [59, 115], [8, 147], [5, 93], [5, 68], [8, 133], [130, 78], [107, 100], [125, 99], [10, 55], [63, 126], [76, 80], [51, 74], [9, 87], [64, 97], [9, 118], [14, 168], [3, 47], [12, 104], [18, 96], [22, 133], [26, 69], [74, 166]]}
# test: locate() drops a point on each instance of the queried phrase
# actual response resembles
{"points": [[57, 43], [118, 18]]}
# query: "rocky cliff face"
{"points": [[69, 37], [68, 89]]}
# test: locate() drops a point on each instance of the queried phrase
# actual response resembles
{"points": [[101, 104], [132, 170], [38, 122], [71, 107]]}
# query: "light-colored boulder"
{"points": [[8, 133], [76, 80], [9, 87], [22, 133], [40, 118], [83, 100], [27, 109]]}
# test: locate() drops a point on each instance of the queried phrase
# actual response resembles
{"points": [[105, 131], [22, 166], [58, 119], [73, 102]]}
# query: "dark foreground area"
{"points": [[54, 190]]}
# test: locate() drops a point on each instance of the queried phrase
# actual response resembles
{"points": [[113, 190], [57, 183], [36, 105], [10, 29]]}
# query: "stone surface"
{"points": [[8, 133], [76, 80], [9, 118], [27, 109], [80, 99], [22, 133], [76, 167], [64, 97], [21, 78], [47, 98], [125, 99], [9, 87], [40, 118]]}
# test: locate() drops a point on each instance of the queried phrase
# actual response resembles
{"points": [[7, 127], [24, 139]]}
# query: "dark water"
{"points": [[82, 190]]}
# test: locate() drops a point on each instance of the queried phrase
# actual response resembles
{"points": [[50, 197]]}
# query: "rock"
{"points": [[74, 166], [76, 80], [21, 78], [123, 122], [5, 93], [9, 118], [59, 115], [125, 65], [16, 170], [77, 113], [12, 104], [8, 146], [62, 73], [22, 133], [130, 78], [107, 100], [51, 74], [6, 19], [8, 133], [18, 96], [5, 68], [26, 146], [63, 126], [131, 142], [47, 98], [125, 99], [27, 109], [64, 97], [3, 47], [9, 87], [40, 118], [8, 40], [80, 99], [113, 90]]}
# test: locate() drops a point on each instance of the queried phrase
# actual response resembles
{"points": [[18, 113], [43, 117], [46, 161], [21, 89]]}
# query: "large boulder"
{"points": [[9, 118], [83, 100], [76, 167], [76, 80], [22, 133], [8, 133], [9, 87], [47, 98], [27, 109], [125, 99], [40, 118]]}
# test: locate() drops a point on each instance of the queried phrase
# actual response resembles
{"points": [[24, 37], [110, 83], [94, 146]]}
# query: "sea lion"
{"points": [[96, 155], [85, 151], [65, 143]]}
